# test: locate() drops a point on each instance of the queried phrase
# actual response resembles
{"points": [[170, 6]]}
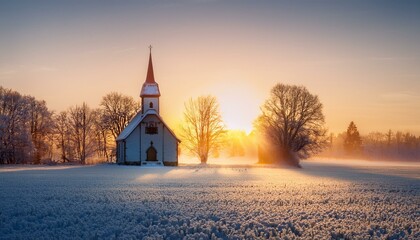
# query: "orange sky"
{"points": [[362, 64]]}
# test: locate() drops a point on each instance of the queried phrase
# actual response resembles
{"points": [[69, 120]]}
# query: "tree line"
{"points": [[31, 133], [291, 127], [393, 145]]}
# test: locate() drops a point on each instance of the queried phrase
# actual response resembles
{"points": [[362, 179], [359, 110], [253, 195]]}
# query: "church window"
{"points": [[151, 105], [151, 128]]}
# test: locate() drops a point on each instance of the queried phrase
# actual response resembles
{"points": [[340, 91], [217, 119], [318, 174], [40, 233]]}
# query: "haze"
{"points": [[360, 57]]}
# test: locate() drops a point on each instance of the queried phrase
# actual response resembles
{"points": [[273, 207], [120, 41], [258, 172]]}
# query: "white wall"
{"points": [[147, 138], [171, 151], [147, 101], [132, 146], [164, 142], [120, 152]]}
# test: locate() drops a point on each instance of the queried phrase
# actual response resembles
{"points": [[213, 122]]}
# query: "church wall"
{"points": [[146, 103], [150, 141], [120, 152], [171, 145], [132, 146], [155, 138]]}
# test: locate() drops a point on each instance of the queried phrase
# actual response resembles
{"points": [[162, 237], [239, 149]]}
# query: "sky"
{"points": [[362, 58]]}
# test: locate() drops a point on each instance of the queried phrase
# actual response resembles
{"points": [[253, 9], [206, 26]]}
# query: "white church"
{"points": [[147, 140]]}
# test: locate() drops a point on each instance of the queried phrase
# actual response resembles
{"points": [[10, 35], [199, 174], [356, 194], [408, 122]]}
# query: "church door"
{"points": [[151, 154]]}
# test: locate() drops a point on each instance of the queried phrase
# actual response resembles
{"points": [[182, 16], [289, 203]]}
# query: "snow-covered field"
{"points": [[355, 200]]}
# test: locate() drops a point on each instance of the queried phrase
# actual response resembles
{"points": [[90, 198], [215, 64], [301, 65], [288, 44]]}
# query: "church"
{"points": [[147, 140]]}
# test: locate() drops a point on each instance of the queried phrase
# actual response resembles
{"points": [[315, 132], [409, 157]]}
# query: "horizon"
{"points": [[360, 58]]}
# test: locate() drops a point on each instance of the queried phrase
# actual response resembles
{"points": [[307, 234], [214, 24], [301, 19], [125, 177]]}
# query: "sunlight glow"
{"points": [[239, 101], [235, 56]]}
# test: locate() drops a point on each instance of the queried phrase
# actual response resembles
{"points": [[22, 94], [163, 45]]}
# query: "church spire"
{"points": [[150, 78], [150, 87]]}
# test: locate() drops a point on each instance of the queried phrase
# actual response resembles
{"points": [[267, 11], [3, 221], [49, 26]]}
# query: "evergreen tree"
{"points": [[352, 141]]}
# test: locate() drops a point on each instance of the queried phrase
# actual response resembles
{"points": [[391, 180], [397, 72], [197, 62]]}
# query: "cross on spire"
{"points": [[150, 88]]}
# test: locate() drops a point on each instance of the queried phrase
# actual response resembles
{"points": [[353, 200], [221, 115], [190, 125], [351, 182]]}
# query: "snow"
{"points": [[131, 126], [322, 201], [150, 89], [137, 120]]}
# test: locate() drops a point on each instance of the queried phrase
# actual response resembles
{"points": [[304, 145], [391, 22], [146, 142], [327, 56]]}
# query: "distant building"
{"points": [[147, 140]]}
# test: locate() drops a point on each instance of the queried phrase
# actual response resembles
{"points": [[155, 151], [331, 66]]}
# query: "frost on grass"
{"points": [[321, 201]]}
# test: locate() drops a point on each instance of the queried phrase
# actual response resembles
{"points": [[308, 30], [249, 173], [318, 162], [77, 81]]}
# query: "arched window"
{"points": [[151, 105]]}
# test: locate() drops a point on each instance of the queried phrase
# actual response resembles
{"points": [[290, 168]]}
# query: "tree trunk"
{"points": [[203, 159]]}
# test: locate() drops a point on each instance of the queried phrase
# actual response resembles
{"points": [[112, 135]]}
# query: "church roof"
{"points": [[137, 120], [150, 78], [150, 88]]}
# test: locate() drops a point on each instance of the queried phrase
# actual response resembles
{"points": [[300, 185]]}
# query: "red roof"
{"points": [[150, 87], [150, 76]]}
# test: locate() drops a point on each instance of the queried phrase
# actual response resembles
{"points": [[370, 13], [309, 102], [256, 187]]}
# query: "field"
{"points": [[324, 200]]}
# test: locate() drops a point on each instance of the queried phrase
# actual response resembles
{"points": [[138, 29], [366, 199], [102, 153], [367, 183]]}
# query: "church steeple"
{"points": [[150, 78], [150, 90]]}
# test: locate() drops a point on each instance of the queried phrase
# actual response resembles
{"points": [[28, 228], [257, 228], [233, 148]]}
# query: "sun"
{"points": [[238, 113], [238, 122]]}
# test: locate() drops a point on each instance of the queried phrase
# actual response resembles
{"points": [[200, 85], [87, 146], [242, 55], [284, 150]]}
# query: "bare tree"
{"points": [[203, 128], [389, 137], [15, 139], [63, 137], [291, 124], [117, 111], [81, 122], [41, 126], [105, 140]]}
